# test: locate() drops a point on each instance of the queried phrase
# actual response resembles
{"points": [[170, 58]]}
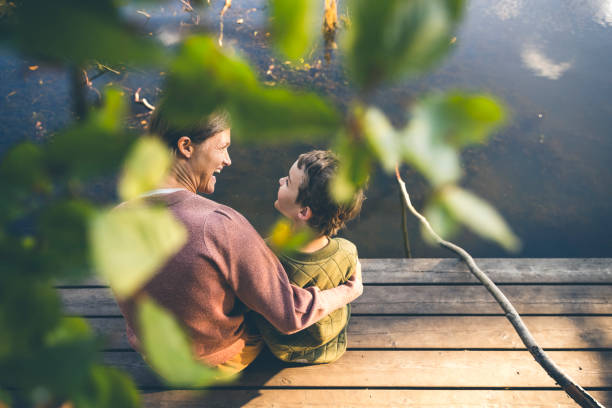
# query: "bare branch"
{"points": [[575, 391], [143, 101]]}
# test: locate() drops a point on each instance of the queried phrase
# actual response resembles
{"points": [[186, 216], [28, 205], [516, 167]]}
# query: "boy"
{"points": [[304, 198]]}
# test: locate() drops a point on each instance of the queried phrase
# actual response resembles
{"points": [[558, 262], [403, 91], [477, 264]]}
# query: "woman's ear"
{"points": [[305, 213], [185, 147]]}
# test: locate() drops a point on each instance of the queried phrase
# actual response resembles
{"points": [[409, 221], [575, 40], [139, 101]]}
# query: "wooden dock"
{"points": [[425, 333]]}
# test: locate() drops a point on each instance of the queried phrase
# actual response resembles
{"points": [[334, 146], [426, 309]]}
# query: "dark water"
{"points": [[548, 172]]}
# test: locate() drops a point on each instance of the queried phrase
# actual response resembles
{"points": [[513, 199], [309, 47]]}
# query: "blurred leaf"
{"points": [[74, 31], [479, 216], [382, 138], [131, 242], [280, 115], [63, 238], [443, 123], [441, 222], [463, 119], [293, 25], [94, 146], [201, 80], [28, 309], [168, 350], [204, 79], [69, 329], [107, 387], [356, 162], [61, 368], [394, 37], [144, 168], [23, 166], [283, 238], [425, 148], [22, 174], [5, 399]]}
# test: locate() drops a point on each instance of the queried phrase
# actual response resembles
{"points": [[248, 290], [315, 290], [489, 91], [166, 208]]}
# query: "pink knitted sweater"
{"points": [[225, 269]]}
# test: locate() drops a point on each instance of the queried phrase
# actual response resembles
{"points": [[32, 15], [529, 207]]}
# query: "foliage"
{"points": [[49, 231], [168, 348]]}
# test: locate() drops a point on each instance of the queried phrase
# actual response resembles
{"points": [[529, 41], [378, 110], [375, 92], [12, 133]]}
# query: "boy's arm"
{"points": [[260, 282]]}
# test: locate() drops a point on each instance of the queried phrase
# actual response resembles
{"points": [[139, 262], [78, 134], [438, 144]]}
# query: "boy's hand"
{"points": [[355, 280]]}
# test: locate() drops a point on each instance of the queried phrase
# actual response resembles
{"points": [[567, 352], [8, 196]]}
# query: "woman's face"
{"points": [[209, 158]]}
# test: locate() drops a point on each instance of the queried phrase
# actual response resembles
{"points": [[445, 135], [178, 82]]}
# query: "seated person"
{"points": [[325, 262]]}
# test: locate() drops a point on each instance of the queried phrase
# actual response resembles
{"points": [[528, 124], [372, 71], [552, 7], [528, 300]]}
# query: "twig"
{"points": [[330, 23], [143, 101], [407, 250], [575, 391], [228, 4]]}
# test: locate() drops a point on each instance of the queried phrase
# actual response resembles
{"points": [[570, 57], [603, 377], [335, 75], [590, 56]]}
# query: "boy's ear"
{"points": [[305, 213]]}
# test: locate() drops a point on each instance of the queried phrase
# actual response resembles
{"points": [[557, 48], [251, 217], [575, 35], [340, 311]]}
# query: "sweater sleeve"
{"points": [[259, 280]]}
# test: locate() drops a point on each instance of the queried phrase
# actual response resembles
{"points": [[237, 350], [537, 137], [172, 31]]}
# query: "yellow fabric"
{"points": [[254, 345]]}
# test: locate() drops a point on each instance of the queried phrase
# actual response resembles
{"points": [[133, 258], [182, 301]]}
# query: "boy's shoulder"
{"points": [[346, 245]]}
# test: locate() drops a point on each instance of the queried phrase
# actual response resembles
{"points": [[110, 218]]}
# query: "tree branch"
{"points": [[575, 391]]}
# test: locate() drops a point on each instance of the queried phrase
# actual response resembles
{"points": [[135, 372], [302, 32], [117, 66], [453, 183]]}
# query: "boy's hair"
{"points": [[328, 216], [199, 131]]}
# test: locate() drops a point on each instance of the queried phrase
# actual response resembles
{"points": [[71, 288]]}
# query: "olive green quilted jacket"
{"points": [[324, 341]]}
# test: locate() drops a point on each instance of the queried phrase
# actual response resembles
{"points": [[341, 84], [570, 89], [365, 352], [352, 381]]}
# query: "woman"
{"points": [[225, 269]]}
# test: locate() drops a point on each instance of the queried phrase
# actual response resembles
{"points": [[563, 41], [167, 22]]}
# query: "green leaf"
{"points": [[130, 243], [280, 115], [479, 216], [442, 124], [204, 79], [94, 146], [382, 138], [75, 32], [145, 168], [69, 329], [391, 38], [62, 240], [107, 387], [29, 308], [283, 238], [462, 119], [61, 368], [5, 399], [425, 148], [293, 25], [356, 162], [167, 348], [23, 166]]}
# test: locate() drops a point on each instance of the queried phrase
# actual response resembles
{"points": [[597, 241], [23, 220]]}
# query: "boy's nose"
{"points": [[280, 181]]}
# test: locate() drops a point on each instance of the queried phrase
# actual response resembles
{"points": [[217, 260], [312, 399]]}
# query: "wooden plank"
{"points": [[340, 398], [448, 270], [419, 299], [578, 332], [400, 368], [500, 270]]}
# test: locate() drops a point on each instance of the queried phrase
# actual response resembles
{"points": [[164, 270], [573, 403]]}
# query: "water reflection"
{"points": [[541, 65], [603, 15], [507, 9], [548, 172]]}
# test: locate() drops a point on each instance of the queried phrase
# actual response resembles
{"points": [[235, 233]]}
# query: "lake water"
{"points": [[548, 172]]}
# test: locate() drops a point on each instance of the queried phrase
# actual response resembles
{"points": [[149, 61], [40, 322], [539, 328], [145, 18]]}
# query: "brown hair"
{"points": [[199, 131], [328, 216]]}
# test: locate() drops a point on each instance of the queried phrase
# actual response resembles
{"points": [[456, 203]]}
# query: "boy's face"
{"points": [[287, 194]]}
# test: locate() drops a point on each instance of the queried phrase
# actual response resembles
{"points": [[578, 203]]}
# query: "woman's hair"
{"points": [[328, 216], [199, 131]]}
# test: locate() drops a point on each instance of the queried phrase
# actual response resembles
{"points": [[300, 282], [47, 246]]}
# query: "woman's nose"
{"points": [[227, 161], [280, 181]]}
